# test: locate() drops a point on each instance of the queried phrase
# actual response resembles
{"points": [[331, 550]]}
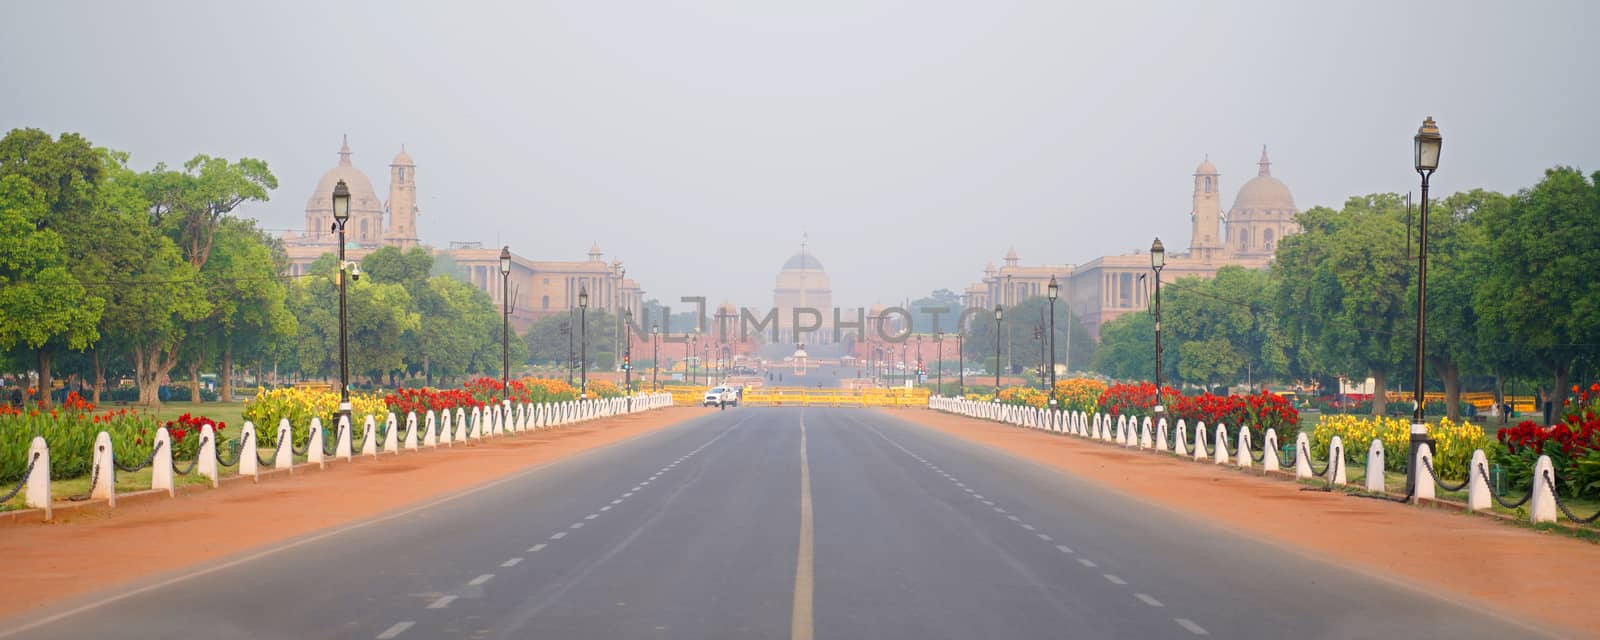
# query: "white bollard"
{"points": [[285, 456], [1269, 450], [1200, 441], [446, 432], [1243, 458], [430, 431], [1122, 429], [161, 466], [475, 427], [1094, 433], [104, 471], [1478, 497], [206, 464], [1336, 461], [1302, 456], [1144, 434], [1424, 489], [411, 431], [1542, 506], [249, 463], [1375, 476], [461, 425], [391, 435], [497, 420], [1161, 434], [1220, 443], [38, 489], [314, 452], [341, 439], [1178, 439], [369, 436]]}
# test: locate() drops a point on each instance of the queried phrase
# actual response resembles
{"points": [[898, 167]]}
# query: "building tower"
{"points": [[1205, 240], [402, 205]]}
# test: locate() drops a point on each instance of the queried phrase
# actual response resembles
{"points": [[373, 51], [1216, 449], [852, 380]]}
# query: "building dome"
{"points": [[802, 262], [1263, 194], [1206, 168], [365, 205], [402, 158], [803, 271]]}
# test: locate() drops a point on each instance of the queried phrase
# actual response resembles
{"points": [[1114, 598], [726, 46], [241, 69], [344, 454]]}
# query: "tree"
{"points": [[1223, 328], [922, 320], [1543, 280], [1343, 284], [188, 205], [40, 300], [1128, 348], [247, 310]]}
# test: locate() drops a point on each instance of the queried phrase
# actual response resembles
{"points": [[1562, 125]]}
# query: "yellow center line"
{"points": [[800, 626]]}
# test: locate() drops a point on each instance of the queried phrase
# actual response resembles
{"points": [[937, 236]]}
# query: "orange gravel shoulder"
{"points": [[1492, 565], [89, 550]]}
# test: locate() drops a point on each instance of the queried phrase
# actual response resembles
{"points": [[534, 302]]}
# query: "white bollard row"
{"points": [[445, 428], [1129, 431]]}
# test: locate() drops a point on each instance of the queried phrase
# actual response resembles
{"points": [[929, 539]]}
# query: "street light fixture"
{"points": [[999, 314], [341, 215], [961, 364], [1158, 259], [505, 316], [1054, 291], [583, 343], [938, 354], [1427, 143], [655, 357]]}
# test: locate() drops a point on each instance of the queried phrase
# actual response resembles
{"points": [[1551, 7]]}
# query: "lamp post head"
{"points": [[655, 329], [583, 298], [999, 312], [1158, 255], [341, 202], [1427, 143], [1053, 289], [505, 260]]}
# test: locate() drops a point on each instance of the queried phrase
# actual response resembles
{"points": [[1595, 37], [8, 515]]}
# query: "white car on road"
{"points": [[720, 395]]}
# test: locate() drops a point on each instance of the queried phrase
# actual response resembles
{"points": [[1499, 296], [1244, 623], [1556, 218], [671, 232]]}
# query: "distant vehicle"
{"points": [[720, 395]]}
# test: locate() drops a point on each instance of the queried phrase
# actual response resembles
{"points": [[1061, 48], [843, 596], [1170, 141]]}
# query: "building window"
{"points": [[402, 174], [1208, 184], [1266, 239], [544, 302], [1244, 239]]}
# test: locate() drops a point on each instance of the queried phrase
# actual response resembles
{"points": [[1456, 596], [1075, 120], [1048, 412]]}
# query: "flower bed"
{"points": [[1079, 394], [299, 405], [70, 430], [1573, 445]]}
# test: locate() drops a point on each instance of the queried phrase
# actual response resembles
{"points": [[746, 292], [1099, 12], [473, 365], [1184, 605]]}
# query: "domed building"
{"points": [[1262, 214], [803, 284]]}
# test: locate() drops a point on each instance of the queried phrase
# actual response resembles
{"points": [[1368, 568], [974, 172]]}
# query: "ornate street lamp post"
{"points": [[1054, 290], [1427, 143], [341, 215], [505, 316], [627, 355], [583, 343], [1158, 259], [961, 364], [655, 357], [999, 313], [938, 354]]}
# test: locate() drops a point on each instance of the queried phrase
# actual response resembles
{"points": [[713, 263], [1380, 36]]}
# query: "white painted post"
{"points": [[1200, 441], [105, 470], [475, 428], [1095, 432], [1161, 434], [430, 430], [161, 467], [206, 464], [1122, 429], [1542, 506], [314, 448], [369, 436], [497, 421], [1220, 442], [411, 431], [38, 490], [285, 457], [341, 442], [1375, 475], [1336, 461], [391, 435], [1302, 456], [1478, 497], [1243, 458], [249, 464], [1178, 447], [461, 425], [1269, 450], [446, 431], [1424, 488], [1144, 434]]}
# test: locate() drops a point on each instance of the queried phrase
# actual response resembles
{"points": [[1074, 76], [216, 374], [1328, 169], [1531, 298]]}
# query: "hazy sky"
{"points": [[914, 141]]}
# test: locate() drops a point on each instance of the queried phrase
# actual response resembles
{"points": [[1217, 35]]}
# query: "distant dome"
{"points": [[1206, 167], [363, 199], [403, 158], [1263, 194], [802, 261]]}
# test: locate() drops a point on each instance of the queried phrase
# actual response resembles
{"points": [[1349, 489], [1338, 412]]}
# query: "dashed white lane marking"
{"points": [[1025, 526], [635, 488], [512, 562], [644, 483], [1087, 563], [536, 547], [1113, 579], [625, 495], [978, 496], [591, 516], [967, 490], [481, 579], [606, 508], [999, 510], [1013, 518], [558, 535], [1064, 548], [396, 630], [987, 502], [442, 602], [617, 501], [1145, 597], [576, 525], [1191, 626], [1045, 537]]}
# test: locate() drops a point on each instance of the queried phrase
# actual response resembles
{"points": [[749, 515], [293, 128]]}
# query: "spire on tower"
{"points": [[344, 151], [1264, 164]]}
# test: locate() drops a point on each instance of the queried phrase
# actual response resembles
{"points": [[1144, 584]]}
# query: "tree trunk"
{"points": [[1557, 398], [194, 382], [99, 377], [1451, 373], [225, 377], [1380, 391], [44, 376]]}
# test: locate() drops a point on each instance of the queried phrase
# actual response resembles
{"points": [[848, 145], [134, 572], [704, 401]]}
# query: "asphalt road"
{"points": [[726, 527]]}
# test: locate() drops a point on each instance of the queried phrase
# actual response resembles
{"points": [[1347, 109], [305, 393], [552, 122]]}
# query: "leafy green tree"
{"points": [[1543, 280], [40, 300], [1223, 328]]}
